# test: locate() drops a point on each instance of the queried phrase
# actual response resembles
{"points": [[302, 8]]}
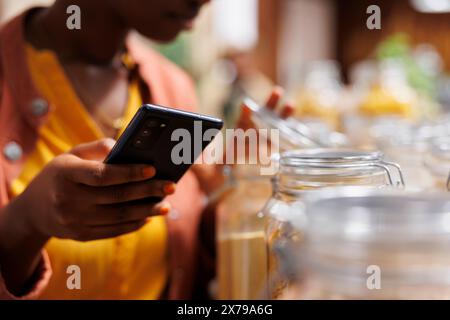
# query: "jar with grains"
{"points": [[241, 246]]}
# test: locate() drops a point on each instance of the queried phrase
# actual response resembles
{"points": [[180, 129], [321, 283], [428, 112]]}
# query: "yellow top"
{"points": [[133, 266]]}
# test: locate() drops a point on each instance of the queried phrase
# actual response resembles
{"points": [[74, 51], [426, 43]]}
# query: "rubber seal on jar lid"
{"points": [[332, 155]]}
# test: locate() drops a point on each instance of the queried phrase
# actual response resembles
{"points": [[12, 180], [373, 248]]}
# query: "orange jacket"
{"points": [[21, 117]]}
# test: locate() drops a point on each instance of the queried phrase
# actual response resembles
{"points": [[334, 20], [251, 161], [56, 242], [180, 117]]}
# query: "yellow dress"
{"points": [[133, 266]]}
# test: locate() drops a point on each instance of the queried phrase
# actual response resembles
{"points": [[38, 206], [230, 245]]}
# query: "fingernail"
{"points": [[246, 111], [169, 188], [148, 172], [274, 98], [287, 111], [164, 210], [109, 143]]}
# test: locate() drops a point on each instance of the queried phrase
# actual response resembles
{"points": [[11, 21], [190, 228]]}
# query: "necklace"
{"points": [[110, 123], [119, 122]]}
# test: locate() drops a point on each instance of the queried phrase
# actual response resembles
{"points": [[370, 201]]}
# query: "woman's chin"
{"points": [[163, 37]]}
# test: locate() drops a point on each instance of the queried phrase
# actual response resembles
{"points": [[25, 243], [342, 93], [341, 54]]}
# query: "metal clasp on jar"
{"points": [[385, 165], [400, 183]]}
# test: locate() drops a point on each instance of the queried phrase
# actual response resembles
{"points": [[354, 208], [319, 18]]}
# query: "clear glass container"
{"points": [[391, 93], [305, 172], [407, 145], [384, 95], [242, 251], [437, 161], [241, 247], [320, 93], [362, 244]]}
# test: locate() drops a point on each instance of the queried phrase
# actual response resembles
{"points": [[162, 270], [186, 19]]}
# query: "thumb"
{"points": [[96, 150]]}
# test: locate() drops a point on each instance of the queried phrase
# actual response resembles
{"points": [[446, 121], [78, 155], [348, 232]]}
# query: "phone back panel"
{"points": [[169, 139]]}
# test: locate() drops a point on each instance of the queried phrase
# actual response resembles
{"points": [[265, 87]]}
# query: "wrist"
{"points": [[20, 248], [17, 227]]}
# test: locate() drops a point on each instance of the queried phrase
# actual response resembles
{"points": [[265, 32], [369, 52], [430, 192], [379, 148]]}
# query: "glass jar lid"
{"points": [[334, 156], [344, 159]]}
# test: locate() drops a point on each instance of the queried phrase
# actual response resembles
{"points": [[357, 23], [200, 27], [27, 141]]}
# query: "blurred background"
{"points": [[242, 47]]}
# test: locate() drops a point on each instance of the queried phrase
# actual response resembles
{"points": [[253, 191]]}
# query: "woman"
{"points": [[64, 93]]}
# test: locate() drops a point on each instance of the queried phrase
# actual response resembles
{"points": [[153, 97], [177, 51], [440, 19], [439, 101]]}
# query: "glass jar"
{"points": [[363, 244], [242, 254], [242, 251], [384, 94], [320, 94], [407, 145], [438, 162], [391, 94], [305, 172]]}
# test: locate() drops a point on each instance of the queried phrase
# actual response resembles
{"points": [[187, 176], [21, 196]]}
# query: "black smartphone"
{"points": [[168, 139]]}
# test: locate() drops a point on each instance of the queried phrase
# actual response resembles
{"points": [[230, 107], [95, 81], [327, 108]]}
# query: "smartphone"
{"points": [[168, 139]]}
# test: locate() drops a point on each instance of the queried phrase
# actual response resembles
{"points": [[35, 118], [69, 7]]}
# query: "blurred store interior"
{"points": [[242, 47]]}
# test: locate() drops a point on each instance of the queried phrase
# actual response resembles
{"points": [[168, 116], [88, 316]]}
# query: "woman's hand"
{"points": [[78, 197], [245, 122], [211, 176]]}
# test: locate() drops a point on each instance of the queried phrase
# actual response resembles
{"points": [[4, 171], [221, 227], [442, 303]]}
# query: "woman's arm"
{"points": [[20, 249], [76, 196]]}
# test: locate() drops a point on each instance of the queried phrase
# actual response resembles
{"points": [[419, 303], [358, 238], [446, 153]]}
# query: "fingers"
{"points": [[245, 119], [272, 103], [114, 215], [131, 191], [99, 174], [287, 110], [106, 232], [274, 100], [96, 150], [275, 97]]}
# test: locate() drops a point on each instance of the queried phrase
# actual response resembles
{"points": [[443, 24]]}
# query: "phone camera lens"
{"points": [[146, 133]]}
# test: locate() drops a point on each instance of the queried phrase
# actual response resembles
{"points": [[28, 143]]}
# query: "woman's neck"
{"points": [[99, 41]]}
